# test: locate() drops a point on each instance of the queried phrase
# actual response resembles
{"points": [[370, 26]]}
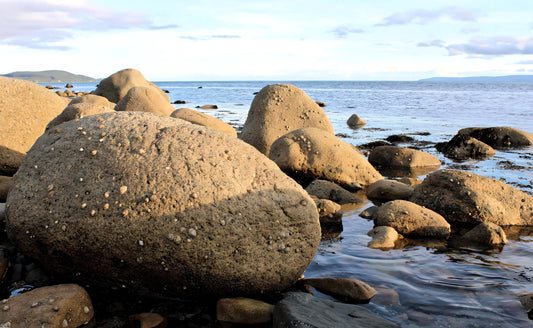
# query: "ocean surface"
{"points": [[423, 284]]}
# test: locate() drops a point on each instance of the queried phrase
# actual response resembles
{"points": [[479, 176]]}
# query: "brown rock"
{"points": [[53, 306], [147, 320], [310, 153], [401, 157], [383, 237], [242, 310], [278, 109], [208, 107], [329, 213], [465, 197], [485, 234], [76, 111], [145, 99], [200, 118], [162, 204], [92, 99], [5, 183], [347, 290], [355, 121], [410, 219], [385, 190], [463, 147], [25, 109], [329, 190], [500, 137]]}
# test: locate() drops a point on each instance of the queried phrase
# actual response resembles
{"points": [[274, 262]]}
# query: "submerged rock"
{"points": [[200, 118], [141, 200], [244, 311], [500, 137], [346, 290]]}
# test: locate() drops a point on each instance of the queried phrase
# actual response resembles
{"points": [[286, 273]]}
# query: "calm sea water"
{"points": [[433, 285]]}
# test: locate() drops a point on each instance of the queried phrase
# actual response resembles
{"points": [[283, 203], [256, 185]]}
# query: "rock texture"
{"points": [[117, 85], [5, 183], [385, 190], [329, 213], [410, 219], [383, 237], [355, 121], [500, 137], [52, 306], [145, 99], [465, 197], [310, 153], [278, 109], [93, 99], [245, 311], [401, 158], [143, 200], [324, 189], [484, 234], [78, 110], [462, 147], [346, 290], [200, 118], [25, 109]]}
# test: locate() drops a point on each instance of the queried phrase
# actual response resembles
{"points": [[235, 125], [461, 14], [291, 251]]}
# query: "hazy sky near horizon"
{"points": [[269, 40]]}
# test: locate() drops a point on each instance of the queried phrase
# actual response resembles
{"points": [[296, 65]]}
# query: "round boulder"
{"points": [[25, 109], [328, 190], [310, 153], [470, 198], [141, 200], [78, 110], [278, 109], [500, 137], [145, 99], [355, 121], [462, 147], [401, 158], [200, 118], [386, 190], [92, 99]]}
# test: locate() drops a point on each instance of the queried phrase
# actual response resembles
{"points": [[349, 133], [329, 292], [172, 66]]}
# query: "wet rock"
{"points": [[329, 213], [76, 111], [145, 99], [385, 296], [462, 147], [200, 118], [321, 104], [355, 121], [25, 110], [304, 310], [147, 320], [369, 213], [141, 200], [5, 183], [385, 190], [347, 290], [117, 85], [242, 310], [373, 144], [92, 99], [52, 306], [278, 109], [470, 198], [527, 301], [484, 234], [500, 137], [413, 182], [68, 85], [208, 107], [180, 102], [383, 237], [410, 219], [310, 153], [399, 138], [329, 190], [401, 158]]}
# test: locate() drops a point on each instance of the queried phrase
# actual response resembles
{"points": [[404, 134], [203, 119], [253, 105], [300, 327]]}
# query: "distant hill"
{"points": [[53, 76], [507, 78]]}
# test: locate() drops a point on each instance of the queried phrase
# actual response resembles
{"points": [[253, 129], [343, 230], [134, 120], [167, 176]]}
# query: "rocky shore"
{"points": [[119, 211]]}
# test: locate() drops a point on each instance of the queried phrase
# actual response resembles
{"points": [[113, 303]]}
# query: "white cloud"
{"points": [[493, 46], [423, 16]]}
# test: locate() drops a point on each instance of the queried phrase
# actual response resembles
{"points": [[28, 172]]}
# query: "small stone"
{"points": [[192, 232], [123, 189]]}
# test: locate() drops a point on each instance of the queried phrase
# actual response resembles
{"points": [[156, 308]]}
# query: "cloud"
{"points": [[422, 16], [525, 62], [343, 31], [46, 24], [434, 43], [493, 46], [210, 37]]}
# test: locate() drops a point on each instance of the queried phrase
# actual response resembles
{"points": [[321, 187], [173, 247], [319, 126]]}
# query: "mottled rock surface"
{"points": [[500, 137], [401, 158], [200, 118]]}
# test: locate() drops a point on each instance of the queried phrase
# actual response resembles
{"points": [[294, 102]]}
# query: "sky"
{"points": [[200, 40]]}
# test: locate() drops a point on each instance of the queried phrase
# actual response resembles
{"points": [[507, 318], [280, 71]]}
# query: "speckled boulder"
{"points": [[310, 153], [278, 109], [117, 85], [143, 200], [78, 110], [401, 158], [25, 109], [200, 118], [470, 198], [500, 137], [145, 99]]}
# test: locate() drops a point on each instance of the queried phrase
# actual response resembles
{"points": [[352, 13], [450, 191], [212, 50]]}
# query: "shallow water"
{"points": [[436, 286]]}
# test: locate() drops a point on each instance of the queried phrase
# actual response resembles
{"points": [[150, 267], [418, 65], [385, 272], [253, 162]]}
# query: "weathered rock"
{"points": [[303, 310], [25, 109], [383, 237], [147, 320], [145, 99], [242, 310], [484, 234], [346, 290], [401, 158], [324, 189], [385, 190], [76, 111], [92, 99], [465, 197], [52, 306], [369, 212], [200, 118], [413, 182], [399, 138], [117, 85], [329, 213], [5, 183], [144, 200], [68, 85], [208, 107], [500, 137], [355, 121], [278, 109], [310, 153], [410, 219], [464, 147]]}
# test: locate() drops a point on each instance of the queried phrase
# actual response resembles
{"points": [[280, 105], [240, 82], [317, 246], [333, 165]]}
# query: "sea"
{"points": [[423, 283]]}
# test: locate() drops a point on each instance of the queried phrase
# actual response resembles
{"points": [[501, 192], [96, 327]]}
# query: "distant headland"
{"points": [[506, 78], [51, 76]]}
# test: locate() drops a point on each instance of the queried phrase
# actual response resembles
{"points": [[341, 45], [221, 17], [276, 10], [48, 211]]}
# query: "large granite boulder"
{"points": [[92, 99], [78, 110], [143, 200], [310, 153], [401, 158], [470, 198], [117, 85], [145, 99], [500, 137], [278, 109], [462, 147], [25, 109], [200, 118]]}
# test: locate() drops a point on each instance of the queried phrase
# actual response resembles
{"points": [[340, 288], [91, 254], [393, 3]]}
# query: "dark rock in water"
{"points": [[373, 144], [355, 121], [208, 107], [462, 146], [180, 102], [484, 235], [369, 213], [69, 86], [500, 137], [399, 138], [298, 310], [329, 190], [346, 290], [321, 104]]}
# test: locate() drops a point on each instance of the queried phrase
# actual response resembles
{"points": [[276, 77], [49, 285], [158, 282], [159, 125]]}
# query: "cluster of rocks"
{"points": [[124, 192]]}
